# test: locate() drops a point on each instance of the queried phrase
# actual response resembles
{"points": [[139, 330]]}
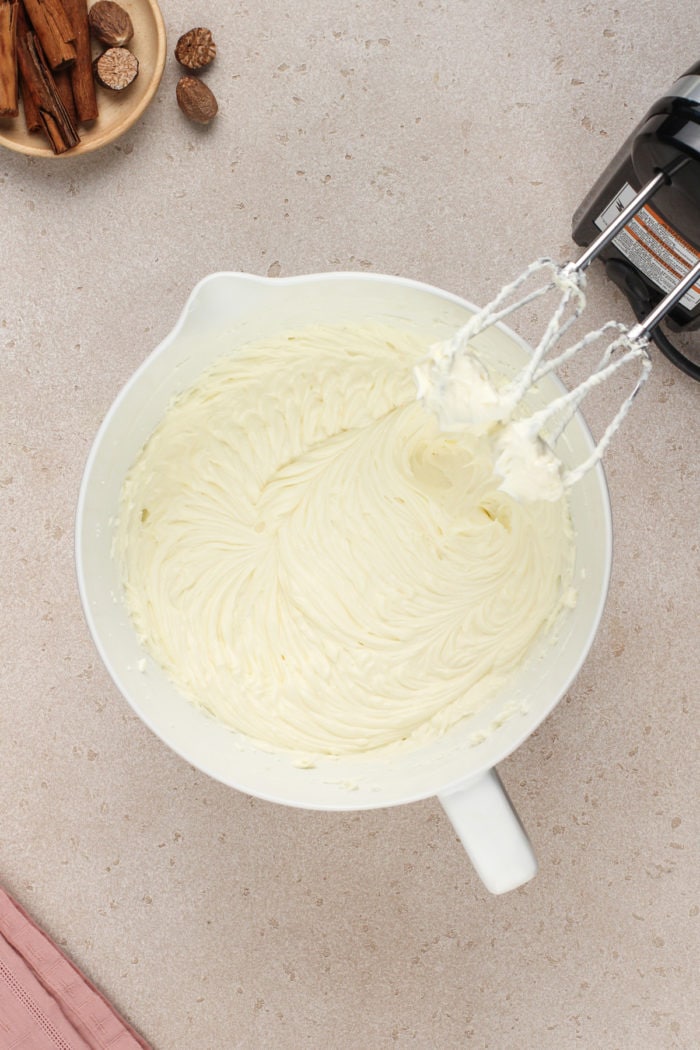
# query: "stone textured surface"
{"points": [[451, 142]]}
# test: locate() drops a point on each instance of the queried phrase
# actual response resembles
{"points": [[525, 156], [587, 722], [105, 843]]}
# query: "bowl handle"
{"points": [[491, 832]]}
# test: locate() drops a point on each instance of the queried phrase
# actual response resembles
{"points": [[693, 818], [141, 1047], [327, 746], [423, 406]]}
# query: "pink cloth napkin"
{"points": [[45, 1002]]}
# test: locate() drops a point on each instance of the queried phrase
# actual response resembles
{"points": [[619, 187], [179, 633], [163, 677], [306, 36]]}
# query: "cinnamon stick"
{"points": [[61, 78], [32, 119], [40, 85], [54, 30], [9, 89], [82, 80]]}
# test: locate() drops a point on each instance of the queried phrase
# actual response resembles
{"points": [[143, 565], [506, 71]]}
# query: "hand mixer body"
{"points": [[650, 255]]}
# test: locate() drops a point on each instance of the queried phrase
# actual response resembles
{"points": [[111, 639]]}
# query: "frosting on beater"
{"points": [[311, 559], [456, 386]]}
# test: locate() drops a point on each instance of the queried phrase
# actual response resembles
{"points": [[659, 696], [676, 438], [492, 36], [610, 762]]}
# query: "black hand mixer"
{"points": [[642, 218], [654, 179]]}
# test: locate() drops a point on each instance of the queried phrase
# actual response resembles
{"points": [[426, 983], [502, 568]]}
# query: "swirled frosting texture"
{"points": [[311, 560]]}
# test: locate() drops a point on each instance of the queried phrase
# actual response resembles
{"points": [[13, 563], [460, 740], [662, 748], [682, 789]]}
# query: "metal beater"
{"points": [[495, 407]]}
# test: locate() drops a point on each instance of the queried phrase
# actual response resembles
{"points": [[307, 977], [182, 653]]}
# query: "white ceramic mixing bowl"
{"points": [[225, 310]]}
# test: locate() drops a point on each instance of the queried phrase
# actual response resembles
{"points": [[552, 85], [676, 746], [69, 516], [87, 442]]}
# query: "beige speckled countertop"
{"points": [[449, 141]]}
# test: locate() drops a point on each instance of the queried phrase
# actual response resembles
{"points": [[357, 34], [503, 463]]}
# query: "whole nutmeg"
{"points": [[116, 68], [110, 23], [196, 100], [195, 49]]}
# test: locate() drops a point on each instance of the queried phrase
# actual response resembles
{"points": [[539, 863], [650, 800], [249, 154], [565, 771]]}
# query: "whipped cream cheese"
{"points": [[315, 562]]}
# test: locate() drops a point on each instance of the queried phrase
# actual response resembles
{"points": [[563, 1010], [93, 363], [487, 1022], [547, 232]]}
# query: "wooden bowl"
{"points": [[118, 110]]}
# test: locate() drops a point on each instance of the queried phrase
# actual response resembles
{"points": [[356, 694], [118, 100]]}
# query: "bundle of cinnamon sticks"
{"points": [[46, 60]]}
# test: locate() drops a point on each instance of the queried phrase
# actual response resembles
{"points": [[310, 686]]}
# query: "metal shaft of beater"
{"points": [[642, 329], [645, 194]]}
